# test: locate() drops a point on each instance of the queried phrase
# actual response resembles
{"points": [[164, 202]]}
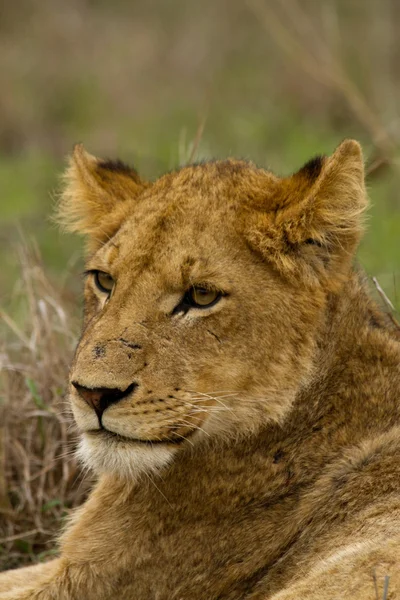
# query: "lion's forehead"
{"points": [[197, 196], [173, 239], [185, 225]]}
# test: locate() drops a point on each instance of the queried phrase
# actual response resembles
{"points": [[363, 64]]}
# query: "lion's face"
{"points": [[190, 334]]}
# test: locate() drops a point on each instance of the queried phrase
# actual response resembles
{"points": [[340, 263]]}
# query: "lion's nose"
{"points": [[101, 398]]}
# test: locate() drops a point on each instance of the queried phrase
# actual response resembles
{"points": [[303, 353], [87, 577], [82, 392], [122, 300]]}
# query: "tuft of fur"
{"points": [[94, 189], [251, 449]]}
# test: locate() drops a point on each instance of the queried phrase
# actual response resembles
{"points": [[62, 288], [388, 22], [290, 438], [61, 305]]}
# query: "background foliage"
{"points": [[156, 84]]}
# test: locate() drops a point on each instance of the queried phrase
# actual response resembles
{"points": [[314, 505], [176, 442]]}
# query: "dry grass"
{"points": [[39, 478]]}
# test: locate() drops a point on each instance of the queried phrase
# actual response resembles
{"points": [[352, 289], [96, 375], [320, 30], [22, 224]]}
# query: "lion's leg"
{"points": [[27, 576], [360, 571], [64, 582], [83, 571], [56, 580]]}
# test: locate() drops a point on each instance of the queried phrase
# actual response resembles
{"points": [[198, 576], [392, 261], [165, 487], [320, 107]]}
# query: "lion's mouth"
{"points": [[107, 434]]}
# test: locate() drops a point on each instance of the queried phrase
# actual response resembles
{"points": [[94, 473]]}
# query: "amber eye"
{"points": [[104, 281], [200, 297]]}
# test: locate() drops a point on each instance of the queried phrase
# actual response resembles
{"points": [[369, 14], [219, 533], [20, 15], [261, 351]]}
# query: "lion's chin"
{"points": [[122, 456]]}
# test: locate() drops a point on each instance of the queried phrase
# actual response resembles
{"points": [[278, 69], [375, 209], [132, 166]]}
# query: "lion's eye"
{"points": [[104, 281], [200, 297]]}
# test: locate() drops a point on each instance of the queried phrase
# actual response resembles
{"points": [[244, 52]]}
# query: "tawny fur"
{"points": [[272, 418]]}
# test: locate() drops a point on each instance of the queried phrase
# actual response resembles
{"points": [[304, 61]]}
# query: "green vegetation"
{"points": [[272, 82]]}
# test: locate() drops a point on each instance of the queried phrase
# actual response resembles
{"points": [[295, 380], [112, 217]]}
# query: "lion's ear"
{"points": [[96, 196], [315, 215], [328, 199]]}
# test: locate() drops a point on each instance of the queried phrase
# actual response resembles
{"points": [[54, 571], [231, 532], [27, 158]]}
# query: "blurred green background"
{"points": [[157, 83]]}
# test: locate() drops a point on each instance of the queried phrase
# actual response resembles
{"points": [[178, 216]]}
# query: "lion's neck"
{"points": [[354, 327]]}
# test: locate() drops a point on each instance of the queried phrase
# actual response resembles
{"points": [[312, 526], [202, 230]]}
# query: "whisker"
{"points": [[157, 488], [184, 438], [195, 426], [214, 397], [206, 409], [68, 454], [211, 392], [217, 400]]}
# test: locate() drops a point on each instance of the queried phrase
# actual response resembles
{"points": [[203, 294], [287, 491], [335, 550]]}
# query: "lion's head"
{"points": [[204, 295]]}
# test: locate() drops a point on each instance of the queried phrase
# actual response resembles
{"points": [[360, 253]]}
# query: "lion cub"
{"points": [[237, 391]]}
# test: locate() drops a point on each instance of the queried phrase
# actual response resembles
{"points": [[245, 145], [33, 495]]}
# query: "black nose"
{"points": [[101, 398]]}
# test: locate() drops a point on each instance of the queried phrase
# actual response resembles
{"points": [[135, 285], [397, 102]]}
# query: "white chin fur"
{"points": [[128, 460]]}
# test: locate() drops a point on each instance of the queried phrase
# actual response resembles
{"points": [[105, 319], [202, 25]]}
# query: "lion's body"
{"points": [[257, 449]]}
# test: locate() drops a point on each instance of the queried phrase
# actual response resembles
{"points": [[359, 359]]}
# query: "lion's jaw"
{"points": [[195, 375]]}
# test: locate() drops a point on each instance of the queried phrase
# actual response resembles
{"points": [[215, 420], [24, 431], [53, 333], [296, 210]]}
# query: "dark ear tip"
{"points": [[117, 166], [312, 169], [313, 242]]}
